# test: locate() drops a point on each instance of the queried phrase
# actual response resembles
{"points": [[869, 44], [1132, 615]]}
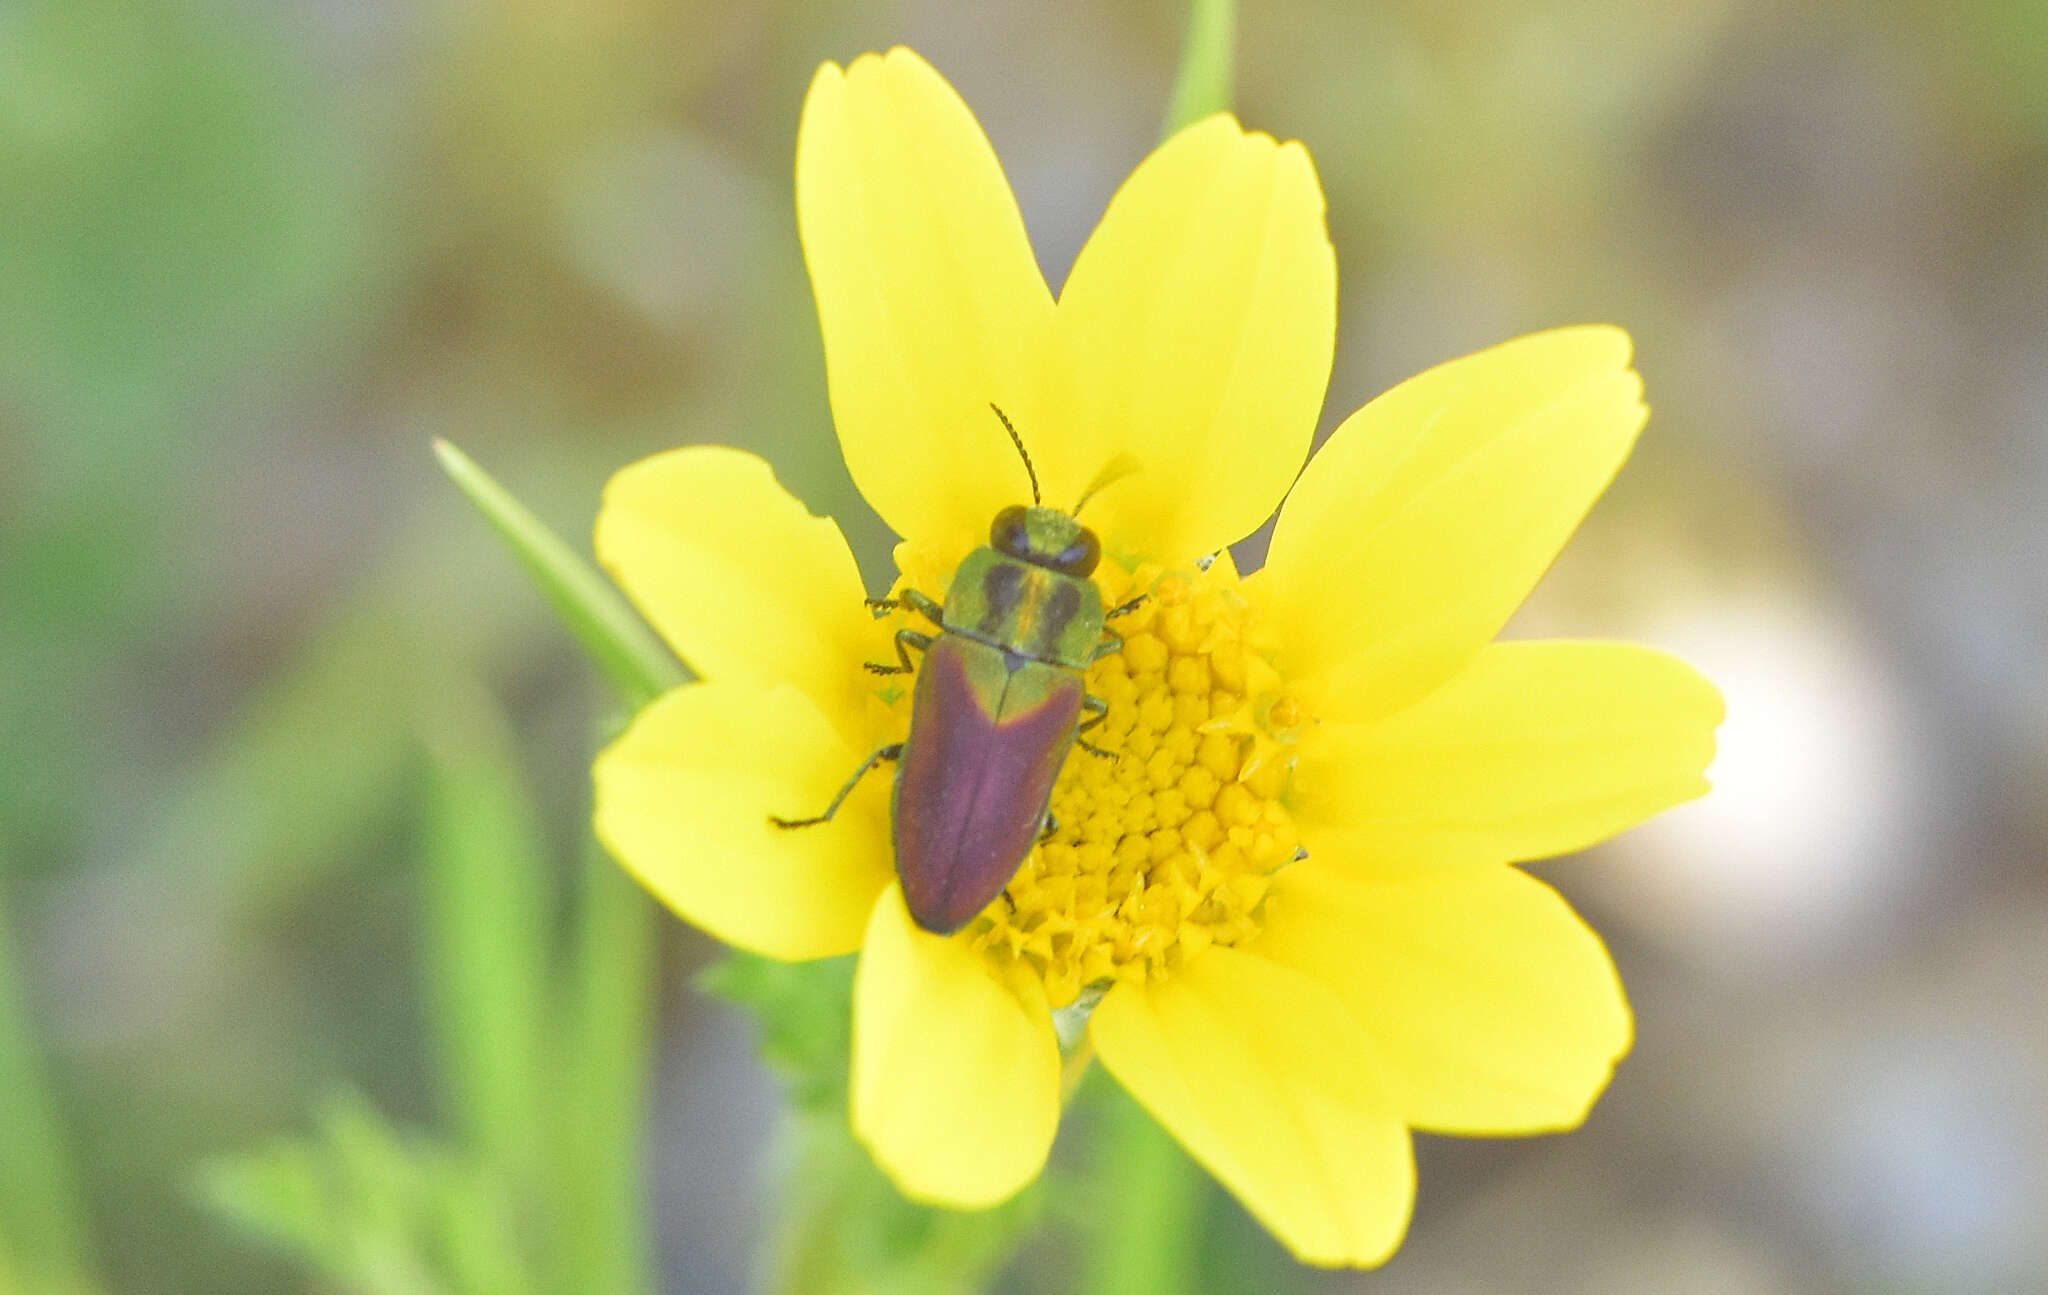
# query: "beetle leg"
{"points": [[1112, 642], [890, 752], [905, 640], [1109, 644], [1098, 708], [1047, 829], [930, 608]]}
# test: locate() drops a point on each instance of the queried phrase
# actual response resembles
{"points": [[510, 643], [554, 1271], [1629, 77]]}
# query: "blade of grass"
{"points": [[619, 641], [487, 944], [43, 1237], [607, 1027], [1206, 79]]}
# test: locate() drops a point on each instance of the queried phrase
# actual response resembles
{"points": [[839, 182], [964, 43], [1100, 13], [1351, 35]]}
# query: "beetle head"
{"points": [[1046, 537]]}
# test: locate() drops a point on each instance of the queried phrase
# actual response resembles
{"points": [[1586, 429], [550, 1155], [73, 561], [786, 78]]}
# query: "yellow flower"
{"points": [[1289, 1016]]}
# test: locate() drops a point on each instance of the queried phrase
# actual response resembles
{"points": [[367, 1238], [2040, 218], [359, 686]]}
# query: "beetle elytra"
{"points": [[997, 705]]}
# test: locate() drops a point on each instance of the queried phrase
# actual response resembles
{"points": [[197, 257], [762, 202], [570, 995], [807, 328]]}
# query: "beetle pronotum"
{"points": [[997, 705]]}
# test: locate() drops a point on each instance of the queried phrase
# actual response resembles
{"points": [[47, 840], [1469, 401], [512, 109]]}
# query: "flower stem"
{"points": [[1204, 84], [1076, 1068]]}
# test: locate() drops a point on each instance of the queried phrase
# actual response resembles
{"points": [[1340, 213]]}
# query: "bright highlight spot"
{"points": [[1815, 798]]}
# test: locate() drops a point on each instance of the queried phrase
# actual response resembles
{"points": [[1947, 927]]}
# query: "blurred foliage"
{"points": [[43, 1245], [542, 1071], [843, 1228], [175, 209], [374, 1212]]}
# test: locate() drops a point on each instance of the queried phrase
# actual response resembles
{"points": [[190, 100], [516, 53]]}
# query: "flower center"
{"points": [[1164, 845]]}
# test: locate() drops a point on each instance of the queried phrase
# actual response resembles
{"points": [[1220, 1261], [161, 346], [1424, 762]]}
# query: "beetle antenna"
{"points": [[1123, 465], [1022, 453]]}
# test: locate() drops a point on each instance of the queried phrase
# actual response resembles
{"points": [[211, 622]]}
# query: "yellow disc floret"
{"points": [[1164, 836]]}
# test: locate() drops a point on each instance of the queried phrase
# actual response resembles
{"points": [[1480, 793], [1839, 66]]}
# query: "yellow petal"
{"points": [[1495, 1008], [739, 577], [1272, 1083], [930, 300], [683, 801], [956, 1072], [1429, 514], [1537, 749], [1195, 335]]}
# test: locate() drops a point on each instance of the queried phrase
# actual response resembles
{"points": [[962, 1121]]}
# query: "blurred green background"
{"points": [[308, 980]]}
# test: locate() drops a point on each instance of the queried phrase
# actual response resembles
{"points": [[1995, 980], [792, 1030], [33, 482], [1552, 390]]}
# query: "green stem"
{"points": [[1075, 1069], [1205, 82]]}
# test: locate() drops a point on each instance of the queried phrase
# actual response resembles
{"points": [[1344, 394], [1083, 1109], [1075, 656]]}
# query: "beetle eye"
{"points": [[1006, 534], [1080, 557]]}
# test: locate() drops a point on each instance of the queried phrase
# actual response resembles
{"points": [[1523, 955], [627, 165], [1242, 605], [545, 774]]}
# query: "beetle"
{"points": [[997, 706]]}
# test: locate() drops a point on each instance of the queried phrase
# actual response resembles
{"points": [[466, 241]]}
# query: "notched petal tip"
{"points": [[1497, 1007], [1439, 505], [1227, 123], [896, 58], [1223, 130], [1269, 1081], [929, 298], [1537, 749], [1203, 306], [1600, 343], [1294, 155]]}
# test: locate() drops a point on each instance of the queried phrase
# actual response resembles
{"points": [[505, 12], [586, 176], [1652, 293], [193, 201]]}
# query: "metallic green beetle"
{"points": [[997, 706]]}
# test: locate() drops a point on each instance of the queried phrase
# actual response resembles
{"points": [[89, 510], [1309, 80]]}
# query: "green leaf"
{"points": [[372, 1211], [1147, 1229], [487, 945], [845, 1230], [804, 1012], [619, 641], [842, 1227], [42, 1219], [602, 1093], [279, 1194], [1204, 84]]}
